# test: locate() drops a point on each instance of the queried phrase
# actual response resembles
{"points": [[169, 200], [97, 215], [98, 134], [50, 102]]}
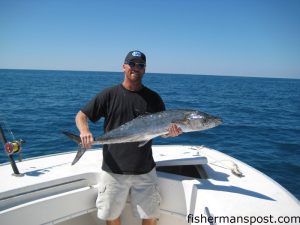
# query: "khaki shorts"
{"points": [[115, 188]]}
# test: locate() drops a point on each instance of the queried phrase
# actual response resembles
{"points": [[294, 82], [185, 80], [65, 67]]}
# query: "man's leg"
{"points": [[112, 195], [114, 222], [145, 197], [150, 221]]}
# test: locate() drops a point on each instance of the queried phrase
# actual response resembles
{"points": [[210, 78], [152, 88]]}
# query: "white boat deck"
{"points": [[51, 191]]}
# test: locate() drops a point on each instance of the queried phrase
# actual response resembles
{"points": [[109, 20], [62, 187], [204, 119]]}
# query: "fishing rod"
{"points": [[11, 148]]}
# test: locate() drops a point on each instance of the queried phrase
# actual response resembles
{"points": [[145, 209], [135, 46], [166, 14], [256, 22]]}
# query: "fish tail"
{"points": [[73, 137], [77, 139], [79, 153]]}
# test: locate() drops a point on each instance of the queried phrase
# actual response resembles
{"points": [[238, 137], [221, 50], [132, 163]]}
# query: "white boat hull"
{"points": [[54, 192]]}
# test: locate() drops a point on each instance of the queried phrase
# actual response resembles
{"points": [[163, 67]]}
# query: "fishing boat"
{"points": [[197, 185]]}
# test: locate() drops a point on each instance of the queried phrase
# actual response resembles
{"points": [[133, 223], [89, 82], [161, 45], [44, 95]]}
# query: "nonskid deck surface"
{"points": [[70, 191]]}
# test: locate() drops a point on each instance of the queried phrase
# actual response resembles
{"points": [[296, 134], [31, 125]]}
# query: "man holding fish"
{"points": [[127, 168]]}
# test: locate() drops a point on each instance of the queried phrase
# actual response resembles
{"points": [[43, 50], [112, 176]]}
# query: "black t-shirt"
{"points": [[118, 106]]}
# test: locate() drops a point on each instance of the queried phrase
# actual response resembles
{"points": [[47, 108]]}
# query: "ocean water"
{"points": [[261, 115]]}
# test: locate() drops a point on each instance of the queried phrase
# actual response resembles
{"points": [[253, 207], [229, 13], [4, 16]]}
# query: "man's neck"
{"points": [[132, 86]]}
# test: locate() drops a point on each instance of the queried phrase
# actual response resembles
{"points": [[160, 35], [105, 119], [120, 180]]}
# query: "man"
{"points": [[126, 168]]}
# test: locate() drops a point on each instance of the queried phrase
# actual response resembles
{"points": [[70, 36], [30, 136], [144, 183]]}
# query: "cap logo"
{"points": [[136, 54]]}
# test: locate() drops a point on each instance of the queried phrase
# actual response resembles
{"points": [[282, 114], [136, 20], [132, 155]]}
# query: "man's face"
{"points": [[134, 71]]}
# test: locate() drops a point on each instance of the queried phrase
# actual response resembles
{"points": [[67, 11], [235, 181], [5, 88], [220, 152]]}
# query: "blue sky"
{"points": [[213, 37]]}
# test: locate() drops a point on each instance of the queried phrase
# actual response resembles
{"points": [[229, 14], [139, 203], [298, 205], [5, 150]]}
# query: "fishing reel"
{"points": [[11, 148], [14, 147]]}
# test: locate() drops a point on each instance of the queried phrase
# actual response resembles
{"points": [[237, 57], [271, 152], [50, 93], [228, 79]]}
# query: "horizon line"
{"points": [[166, 73]]}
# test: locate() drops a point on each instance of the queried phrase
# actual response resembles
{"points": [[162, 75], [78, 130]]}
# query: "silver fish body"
{"points": [[146, 127]]}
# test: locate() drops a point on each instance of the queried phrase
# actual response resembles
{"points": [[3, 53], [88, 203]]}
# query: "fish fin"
{"points": [[143, 143], [73, 137], [143, 115], [79, 153]]}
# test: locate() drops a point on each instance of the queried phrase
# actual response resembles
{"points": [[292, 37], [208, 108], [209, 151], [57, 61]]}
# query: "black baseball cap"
{"points": [[135, 56]]}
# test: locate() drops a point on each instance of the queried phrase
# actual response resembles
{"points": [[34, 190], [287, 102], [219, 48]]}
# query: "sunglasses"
{"points": [[139, 65]]}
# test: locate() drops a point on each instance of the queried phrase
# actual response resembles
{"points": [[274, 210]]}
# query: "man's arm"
{"points": [[83, 127]]}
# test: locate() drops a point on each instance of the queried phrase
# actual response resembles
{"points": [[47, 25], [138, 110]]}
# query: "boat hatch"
{"points": [[195, 171], [189, 167]]}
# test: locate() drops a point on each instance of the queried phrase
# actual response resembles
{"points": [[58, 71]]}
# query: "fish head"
{"points": [[196, 121]]}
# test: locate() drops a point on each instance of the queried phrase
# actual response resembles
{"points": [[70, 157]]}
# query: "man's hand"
{"points": [[174, 131], [87, 139], [85, 134]]}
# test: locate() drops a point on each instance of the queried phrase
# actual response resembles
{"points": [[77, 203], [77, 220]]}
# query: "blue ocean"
{"points": [[261, 115]]}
